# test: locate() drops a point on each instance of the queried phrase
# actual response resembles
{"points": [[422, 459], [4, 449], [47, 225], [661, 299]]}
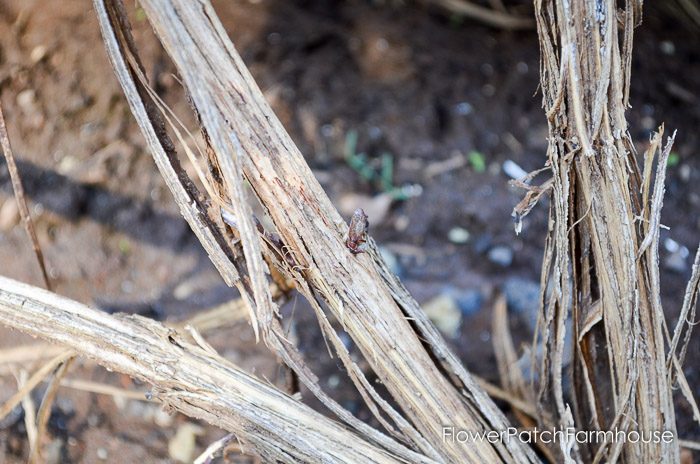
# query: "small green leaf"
{"points": [[673, 159], [124, 246], [477, 161], [367, 172]]}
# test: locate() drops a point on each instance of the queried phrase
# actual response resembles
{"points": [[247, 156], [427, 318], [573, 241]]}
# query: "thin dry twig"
{"points": [[492, 17], [103, 389], [33, 381], [29, 410], [499, 393], [42, 416], [212, 450], [23, 354], [690, 444], [686, 318], [20, 198]]}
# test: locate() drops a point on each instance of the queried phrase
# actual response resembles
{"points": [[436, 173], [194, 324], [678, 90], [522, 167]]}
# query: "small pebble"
{"points": [[676, 262], [445, 314], [38, 53], [182, 446], [487, 69], [26, 99], [333, 381], [327, 130], [120, 402], [102, 454], [513, 170], [488, 90], [648, 123], [352, 406], [667, 47], [52, 452], [401, 222], [482, 243], [458, 235], [93, 420], [469, 301], [671, 245], [676, 248], [65, 405], [523, 298], [375, 207], [501, 255], [127, 286], [684, 172], [9, 214], [463, 108], [274, 38], [11, 417], [162, 418]]}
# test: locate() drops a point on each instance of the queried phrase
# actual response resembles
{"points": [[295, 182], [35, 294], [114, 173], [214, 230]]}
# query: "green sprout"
{"points": [[124, 246], [478, 161], [387, 174], [673, 159], [382, 178]]}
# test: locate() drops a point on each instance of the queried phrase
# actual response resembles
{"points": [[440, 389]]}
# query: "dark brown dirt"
{"points": [[410, 82]]}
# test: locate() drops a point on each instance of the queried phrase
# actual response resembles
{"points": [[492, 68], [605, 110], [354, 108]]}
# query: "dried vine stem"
{"points": [[601, 258], [247, 141], [187, 378]]}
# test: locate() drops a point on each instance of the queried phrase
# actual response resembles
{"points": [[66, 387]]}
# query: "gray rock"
{"points": [[676, 262], [469, 302], [458, 235], [463, 108], [444, 313], [501, 255], [523, 298], [12, 417], [182, 446], [9, 214], [482, 243], [513, 170]]}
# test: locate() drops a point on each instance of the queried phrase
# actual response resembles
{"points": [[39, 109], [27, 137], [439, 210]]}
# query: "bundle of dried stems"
{"points": [[602, 346], [246, 142]]}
